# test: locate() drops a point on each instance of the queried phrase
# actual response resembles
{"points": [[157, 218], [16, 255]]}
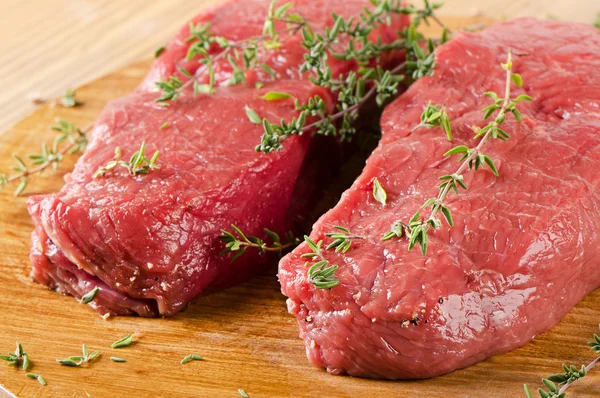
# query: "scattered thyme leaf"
{"points": [[123, 342], [191, 357], [243, 393], [39, 378], [138, 163], [158, 52], [78, 360], [275, 95], [69, 100], [378, 192], [252, 115], [117, 359], [90, 296]]}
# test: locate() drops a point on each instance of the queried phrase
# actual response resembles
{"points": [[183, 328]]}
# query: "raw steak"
{"points": [[150, 242], [524, 247]]}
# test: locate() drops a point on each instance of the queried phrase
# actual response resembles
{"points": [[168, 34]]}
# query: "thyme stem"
{"points": [[227, 51], [587, 369], [477, 150], [353, 108], [46, 164]]}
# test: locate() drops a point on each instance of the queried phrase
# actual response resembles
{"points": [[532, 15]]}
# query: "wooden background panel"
{"points": [[48, 46]]}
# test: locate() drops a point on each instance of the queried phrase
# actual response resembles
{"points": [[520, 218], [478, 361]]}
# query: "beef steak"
{"points": [[524, 246], [150, 242]]}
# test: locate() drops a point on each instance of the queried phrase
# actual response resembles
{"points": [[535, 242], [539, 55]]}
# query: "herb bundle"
{"points": [[347, 39]]}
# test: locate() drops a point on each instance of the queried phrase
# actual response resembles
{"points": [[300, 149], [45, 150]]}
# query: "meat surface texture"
{"points": [[525, 245], [150, 242]]}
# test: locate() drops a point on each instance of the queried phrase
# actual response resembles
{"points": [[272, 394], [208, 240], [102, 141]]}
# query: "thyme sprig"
{"points": [[19, 357], [321, 273], [416, 230], [78, 360], [70, 140], [237, 242], [137, 164], [241, 56], [351, 90], [558, 383]]}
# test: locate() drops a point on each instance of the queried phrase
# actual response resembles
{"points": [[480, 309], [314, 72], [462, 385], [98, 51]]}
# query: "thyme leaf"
{"points": [[90, 296], [69, 100], [321, 274], [78, 360], [117, 359], [123, 342], [378, 192], [39, 378], [191, 357], [237, 242], [137, 164]]}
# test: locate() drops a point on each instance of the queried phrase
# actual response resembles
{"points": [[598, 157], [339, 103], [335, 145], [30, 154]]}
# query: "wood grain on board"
{"points": [[245, 334]]}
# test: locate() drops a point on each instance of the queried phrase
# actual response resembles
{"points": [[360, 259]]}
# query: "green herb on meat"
{"points": [[379, 193], [70, 140], [241, 56], [243, 393], [117, 359], [321, 273], [237, 242], [351, 90], [138, 163], [417, 229], [90, 296]]}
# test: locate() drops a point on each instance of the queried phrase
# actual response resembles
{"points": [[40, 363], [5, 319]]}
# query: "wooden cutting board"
{"points": [[245, 334]]}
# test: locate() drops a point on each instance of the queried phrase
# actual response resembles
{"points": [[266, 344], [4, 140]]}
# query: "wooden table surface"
{"points": [[48, 46]]}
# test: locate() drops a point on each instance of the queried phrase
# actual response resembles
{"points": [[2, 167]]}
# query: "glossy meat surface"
{"points": [[524, 247], [150, 242]]}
